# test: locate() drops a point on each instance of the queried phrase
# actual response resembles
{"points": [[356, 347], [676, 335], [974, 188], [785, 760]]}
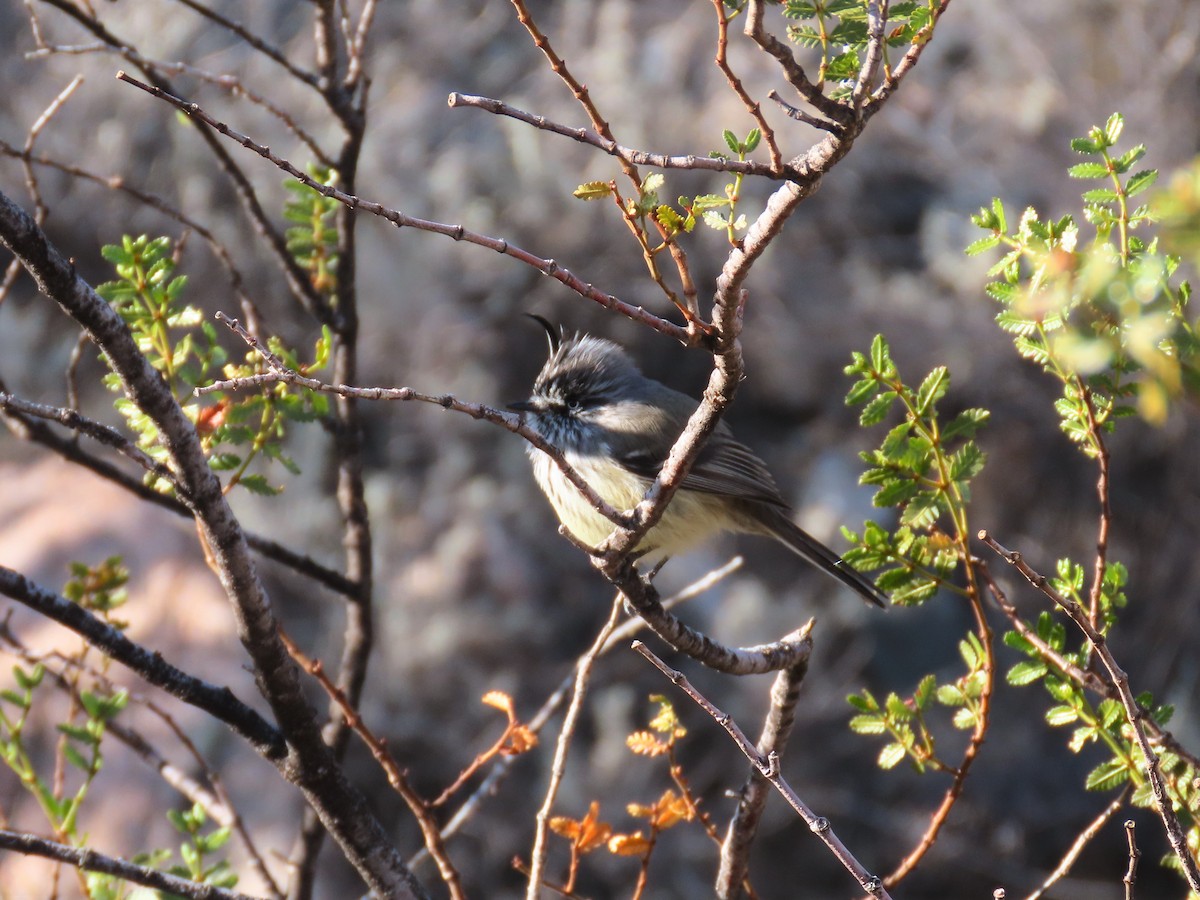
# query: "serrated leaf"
{"points": [[966, 423], [868, 724], [1113, 128], [1107, 775], [1100, 195], [875, 410], [1088, 170], [593, 190], [1139, 181], [890, 756], [1058, 716], [932, 389], [963, 719], [1026, 672], [258, 484], [983, 244]]}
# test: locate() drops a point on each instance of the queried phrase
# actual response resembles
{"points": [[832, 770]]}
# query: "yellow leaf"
{"points": [[501, 701], [593, 190]]}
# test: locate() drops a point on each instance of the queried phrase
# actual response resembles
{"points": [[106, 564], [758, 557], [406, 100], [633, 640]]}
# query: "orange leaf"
{"points": [[645, 743], [520, 740], [629, 844], [592, 832]]}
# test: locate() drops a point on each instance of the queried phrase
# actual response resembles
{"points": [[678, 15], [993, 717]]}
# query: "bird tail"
{"points": [[804, 545]]}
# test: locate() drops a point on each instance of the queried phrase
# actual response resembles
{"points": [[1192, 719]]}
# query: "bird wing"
{"points": [[724, 467]]}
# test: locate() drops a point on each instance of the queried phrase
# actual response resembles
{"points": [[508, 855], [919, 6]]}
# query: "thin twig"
{"points": [[280, 372], [90, 861], [547, 267], [612, 148], [777, 728], [1102, 495], [38, 432], [1085, 837], [583, 672], [735, 84], [768, 767], [110, 437], [434, 842], [552, 703], [792, 70], [1133, 712], [1134, 855]]}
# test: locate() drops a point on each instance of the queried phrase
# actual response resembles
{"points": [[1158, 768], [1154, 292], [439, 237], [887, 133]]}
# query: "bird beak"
{"points": [[524, 406]]}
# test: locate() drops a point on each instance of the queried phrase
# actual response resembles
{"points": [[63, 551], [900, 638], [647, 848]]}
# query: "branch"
{"points": [[547, 267], [1133, 713], [768, 767], [218, 702], [612, 148], [110, 437], [735, 84], [308, 763], [91, 861], [583, 672], [777, 728], [1081, 842], [69, 450]]}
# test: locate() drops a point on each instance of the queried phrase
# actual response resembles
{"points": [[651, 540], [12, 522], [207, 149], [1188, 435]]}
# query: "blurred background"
{"points": [[475, 590]]}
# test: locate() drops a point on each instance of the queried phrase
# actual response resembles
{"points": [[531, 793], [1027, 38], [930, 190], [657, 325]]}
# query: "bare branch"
{"points": [[218, 702], [91, 861], [583, 672], [612, 148], [777, 728], [1080, 844], [547, 267]]}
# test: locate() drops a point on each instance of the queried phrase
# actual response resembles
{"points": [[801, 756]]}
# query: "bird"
{"points": [[615, 427]]}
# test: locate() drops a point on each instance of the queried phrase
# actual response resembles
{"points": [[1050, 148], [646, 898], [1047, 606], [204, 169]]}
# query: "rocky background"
{"points": [[475, 591]]}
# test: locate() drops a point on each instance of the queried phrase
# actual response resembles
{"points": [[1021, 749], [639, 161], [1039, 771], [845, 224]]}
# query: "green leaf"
{"points": [[925, 688], [967, 462], [983, 244], [965, 424], [932, 389], [1100, 195], [1113, 128], [258, 484], [75, 758], [1108, 775], [875, 411], [1026, 672], [1139, 181], [963, 719], [868, 724], [731, 141], [891, 755], [1058, 716], [1088, 170]]}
